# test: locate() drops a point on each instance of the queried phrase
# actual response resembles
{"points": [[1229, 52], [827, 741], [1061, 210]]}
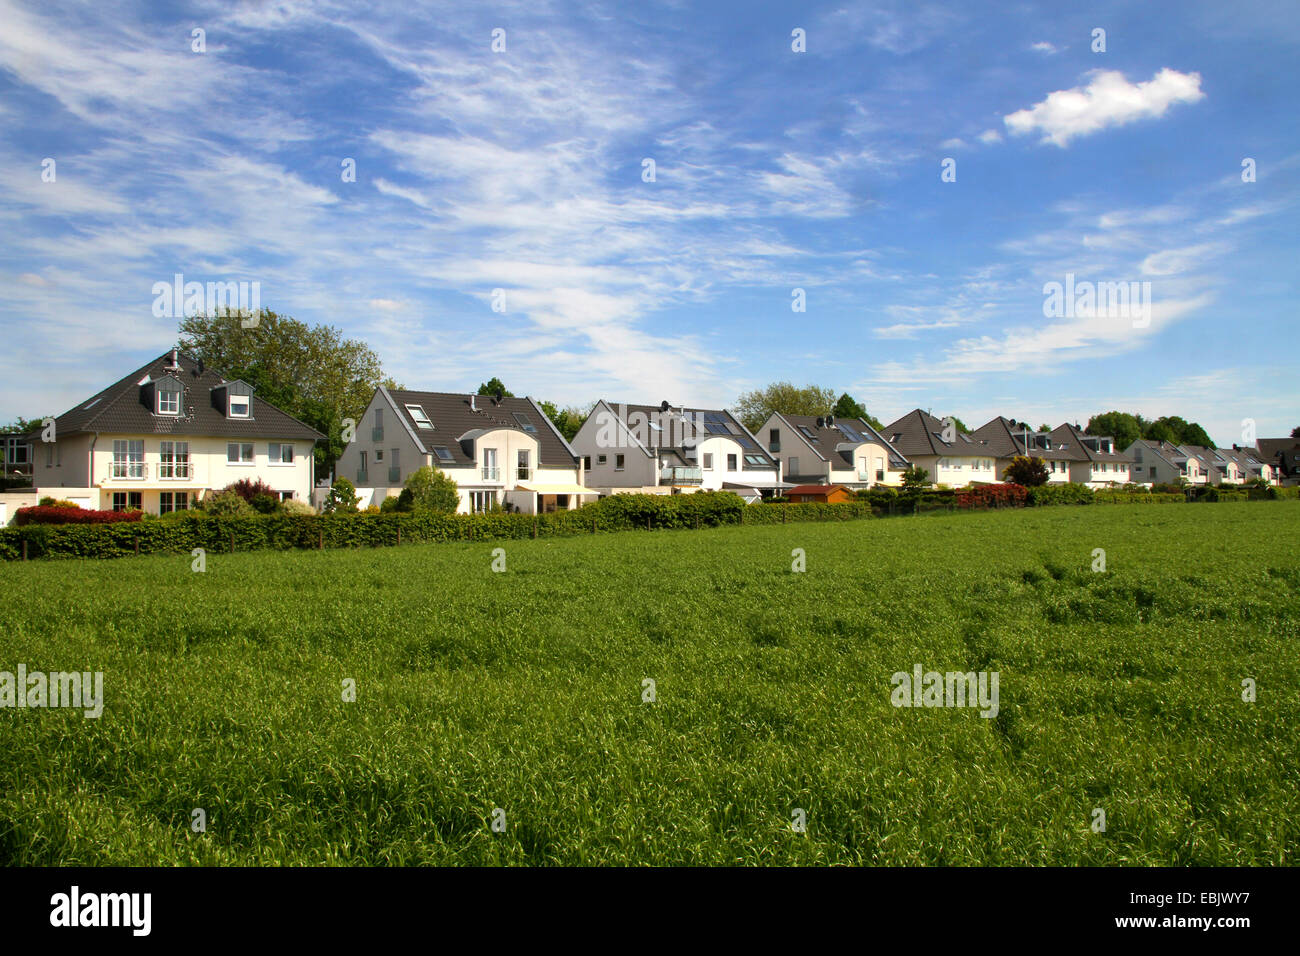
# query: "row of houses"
{"points": [[172, 431]]}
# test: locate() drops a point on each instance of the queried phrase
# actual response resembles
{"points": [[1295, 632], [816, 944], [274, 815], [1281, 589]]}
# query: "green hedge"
{"points": [[182, 532]]}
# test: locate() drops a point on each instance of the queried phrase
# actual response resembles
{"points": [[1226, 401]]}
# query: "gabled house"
{"points": [[501, 451], [1249, 464], [1213, 468], [673, 450], [1094, 460], [1160, 462], [825, 450], [1006, 439], [165, 435], [951, 456], [1284, 455]]}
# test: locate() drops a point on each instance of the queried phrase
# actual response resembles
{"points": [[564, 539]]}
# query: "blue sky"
{"points": [[522, 170]]}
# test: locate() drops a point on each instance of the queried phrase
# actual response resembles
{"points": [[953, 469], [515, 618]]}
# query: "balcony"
{"points": [[377, 433], [394, 475], [128, 471], [490, 473], [682, 476], [523, 473], [774, 446], [363, 477], [175, 471]]}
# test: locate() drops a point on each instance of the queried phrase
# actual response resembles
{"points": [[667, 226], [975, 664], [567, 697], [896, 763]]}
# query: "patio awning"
{"points": [[764, 484], [556, 489]]}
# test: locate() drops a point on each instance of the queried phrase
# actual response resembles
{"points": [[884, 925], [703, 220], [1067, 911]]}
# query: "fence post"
{"points": [[24, 549], [320, 543], [399, 534], [137, 546], [232, 542], [534, 527]]}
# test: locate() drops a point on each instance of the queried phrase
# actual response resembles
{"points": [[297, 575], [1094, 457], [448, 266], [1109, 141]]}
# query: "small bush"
{"points": [[228, 504]]}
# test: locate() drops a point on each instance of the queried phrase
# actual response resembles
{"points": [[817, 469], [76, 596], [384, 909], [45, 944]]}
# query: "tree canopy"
{"points": [[310, 372], [494, 386], [1126, 428], [848, 407], [754, 408]]}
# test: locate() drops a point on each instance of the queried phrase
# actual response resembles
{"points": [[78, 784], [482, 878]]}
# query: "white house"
{"points": [[500, 450], [166, 434], [949, 455], [672, 450], [825, 450]]}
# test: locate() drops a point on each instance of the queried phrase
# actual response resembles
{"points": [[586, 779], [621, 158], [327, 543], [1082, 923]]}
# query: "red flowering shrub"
{"points": [[59, 514], [992, 496]]}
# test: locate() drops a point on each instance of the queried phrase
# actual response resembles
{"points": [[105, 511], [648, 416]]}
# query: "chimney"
{"points": [[472, 406]]}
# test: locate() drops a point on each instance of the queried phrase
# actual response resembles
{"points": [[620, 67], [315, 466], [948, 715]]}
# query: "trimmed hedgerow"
{"points": [[71, 514], [1009, 495]]}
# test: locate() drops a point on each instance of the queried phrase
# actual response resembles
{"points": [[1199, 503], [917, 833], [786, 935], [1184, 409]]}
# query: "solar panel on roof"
{"points": [[745, 442]]}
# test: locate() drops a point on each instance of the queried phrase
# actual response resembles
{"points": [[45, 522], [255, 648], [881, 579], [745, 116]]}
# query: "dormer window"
{"points": [[239, 406], [169, 403]]}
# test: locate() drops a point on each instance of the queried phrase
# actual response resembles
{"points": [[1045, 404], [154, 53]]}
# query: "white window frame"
{"points": [[419, 416], [240, 460], [275, 453], [245, 400], [175, 396]]}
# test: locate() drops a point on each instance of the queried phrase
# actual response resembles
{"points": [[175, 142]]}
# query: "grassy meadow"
{"points": [[523, 690]]}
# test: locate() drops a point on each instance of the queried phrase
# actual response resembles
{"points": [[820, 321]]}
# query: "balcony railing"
{"points": [[682, 476], [523, 473], [490, 473], [363, 477], [377, 433], [175, 471], [128, 471], [394, 474]]}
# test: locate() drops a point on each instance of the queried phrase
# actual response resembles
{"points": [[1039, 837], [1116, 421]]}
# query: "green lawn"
{"points": [[522, 690]]}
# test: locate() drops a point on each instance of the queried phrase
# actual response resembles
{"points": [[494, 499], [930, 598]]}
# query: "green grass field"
{"points": [[523, 691]]}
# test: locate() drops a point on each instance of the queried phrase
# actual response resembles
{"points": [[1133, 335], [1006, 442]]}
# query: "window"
{"points": [[525, 422], [600, 459], [708, 461], [128, 459], [395, 460], [285, 495], [793, 468], [731, 463], [880, 474], [174, 460], [169, 501], [238, 406], [480, 501], [442, 453], [119, 501], [774, 439], [379, 454], [586, 462], [169, 402], [363, 463], [755, 461], [280, 453], [618, 462], [490, 464], [522, 471], [806, 431], [239, 453], [417, 413]]}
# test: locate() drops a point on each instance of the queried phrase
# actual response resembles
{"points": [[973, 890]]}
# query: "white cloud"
{"points": [[990, 136], [1108, 100], [1042, 46]]}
